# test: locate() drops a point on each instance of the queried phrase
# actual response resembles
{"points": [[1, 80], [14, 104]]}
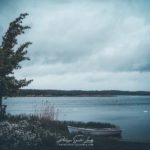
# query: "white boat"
{"points": [[102, 131]]}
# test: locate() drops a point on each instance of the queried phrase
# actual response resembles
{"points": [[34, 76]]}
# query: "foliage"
{"points": [[24, 134], [28, 132], [10, 58]]}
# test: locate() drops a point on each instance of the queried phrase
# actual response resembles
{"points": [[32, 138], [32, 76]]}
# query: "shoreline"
{"points": [[19, 127], [74, 96], [78, 93]]}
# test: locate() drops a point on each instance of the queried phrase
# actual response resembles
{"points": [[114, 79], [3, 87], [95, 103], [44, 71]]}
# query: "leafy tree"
{"points": [[10, 58]]}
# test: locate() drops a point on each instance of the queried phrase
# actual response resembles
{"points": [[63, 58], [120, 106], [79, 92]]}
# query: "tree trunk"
{"points": [[0, 106], [1, 109], [0, 100], [0, 94]]}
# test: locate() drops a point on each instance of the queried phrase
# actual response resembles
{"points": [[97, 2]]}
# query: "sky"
{"points": [[83, 44]]}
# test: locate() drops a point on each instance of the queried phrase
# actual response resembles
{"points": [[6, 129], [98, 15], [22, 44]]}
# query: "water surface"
{"points": [[131, 113]]}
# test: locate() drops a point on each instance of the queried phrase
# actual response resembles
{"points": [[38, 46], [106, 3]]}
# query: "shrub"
{"points": [[46, 112], [24, 134]]}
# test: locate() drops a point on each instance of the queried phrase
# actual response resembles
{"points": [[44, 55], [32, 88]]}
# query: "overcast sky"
{"points": [[84, 44]]}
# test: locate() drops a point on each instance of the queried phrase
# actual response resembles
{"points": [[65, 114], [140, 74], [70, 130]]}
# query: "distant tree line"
{"points": [[34, 92]]}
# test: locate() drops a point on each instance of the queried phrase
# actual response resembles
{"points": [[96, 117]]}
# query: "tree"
{"points": [[10, 58]]}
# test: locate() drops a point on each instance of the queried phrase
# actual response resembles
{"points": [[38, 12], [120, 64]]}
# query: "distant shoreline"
{"points": [[78, 93]]}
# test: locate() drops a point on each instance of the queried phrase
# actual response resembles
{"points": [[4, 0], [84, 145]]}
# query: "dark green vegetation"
{"points": [[32, 133], [10, 59], [30, 92], [56, 126]]}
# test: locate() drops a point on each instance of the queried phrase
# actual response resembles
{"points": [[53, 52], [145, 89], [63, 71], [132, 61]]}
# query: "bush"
{"points": [[24, 134]]}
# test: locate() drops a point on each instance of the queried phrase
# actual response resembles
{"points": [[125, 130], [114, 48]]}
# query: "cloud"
{"points": [[93, 81], [87, 34], [83, 40]]}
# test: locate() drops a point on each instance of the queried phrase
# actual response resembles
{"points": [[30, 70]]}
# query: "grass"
{"points": [[56, 126]]}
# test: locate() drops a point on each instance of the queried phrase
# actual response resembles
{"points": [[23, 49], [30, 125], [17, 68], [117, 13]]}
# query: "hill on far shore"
{"points": [[48, 93]]}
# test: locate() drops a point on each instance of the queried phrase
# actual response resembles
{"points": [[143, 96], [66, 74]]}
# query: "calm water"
{"points": [[131, 113]]}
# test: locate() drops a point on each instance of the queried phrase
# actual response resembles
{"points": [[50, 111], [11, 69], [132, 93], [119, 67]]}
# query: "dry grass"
{"points": [[46, 112]]}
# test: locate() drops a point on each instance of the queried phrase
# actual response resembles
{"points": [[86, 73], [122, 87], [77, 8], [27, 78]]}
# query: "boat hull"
{"points": [[104, 131]]}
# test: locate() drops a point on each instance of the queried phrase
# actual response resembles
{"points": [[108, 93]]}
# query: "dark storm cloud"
{"points": [[96, 43]]}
